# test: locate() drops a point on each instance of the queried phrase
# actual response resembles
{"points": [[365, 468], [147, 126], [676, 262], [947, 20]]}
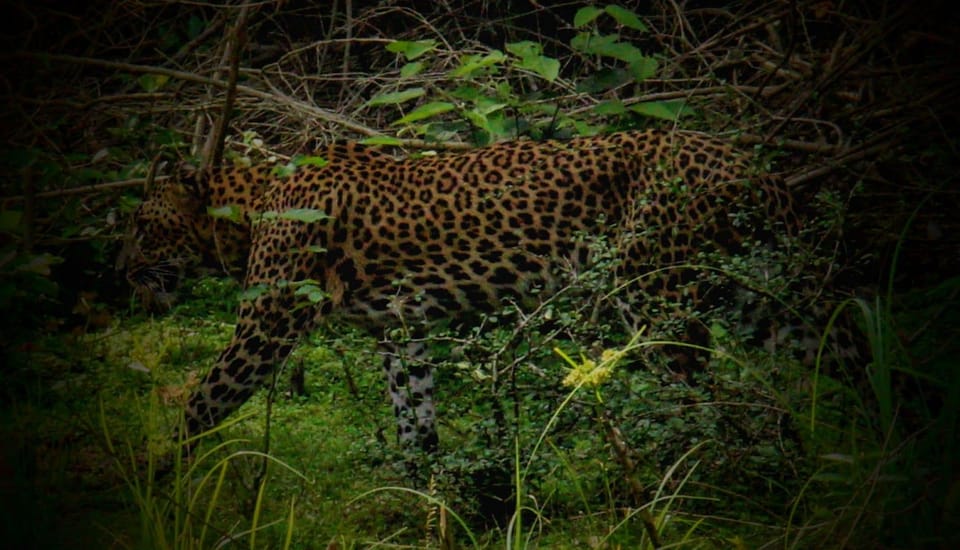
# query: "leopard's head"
{"points": [[164, 239]]}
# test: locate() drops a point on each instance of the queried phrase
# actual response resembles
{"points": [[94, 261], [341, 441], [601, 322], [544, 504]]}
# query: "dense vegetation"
{"points": [[574, 424]]}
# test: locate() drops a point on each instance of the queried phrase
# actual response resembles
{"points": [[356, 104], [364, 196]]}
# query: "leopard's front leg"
{"points": [[267, 330]]}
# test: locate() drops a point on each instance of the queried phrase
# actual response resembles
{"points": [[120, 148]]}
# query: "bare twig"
{"points": [[852, 155], [83, 189], [285, 101], [792, 144], [213, 149]]}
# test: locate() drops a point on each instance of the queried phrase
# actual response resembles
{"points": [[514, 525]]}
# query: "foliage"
{"points": [[851, 100], [497, 93]]}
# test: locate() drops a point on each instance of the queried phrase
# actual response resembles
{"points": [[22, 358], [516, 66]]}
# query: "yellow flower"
{"points": [[589, 373]]}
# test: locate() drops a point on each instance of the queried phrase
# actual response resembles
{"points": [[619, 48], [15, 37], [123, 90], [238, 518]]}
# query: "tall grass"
{"points": [[178, 498]]}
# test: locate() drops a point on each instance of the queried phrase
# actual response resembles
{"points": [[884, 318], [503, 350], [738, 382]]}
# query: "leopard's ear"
{"points": [[188, 187], [195, 181], [187, 174]]}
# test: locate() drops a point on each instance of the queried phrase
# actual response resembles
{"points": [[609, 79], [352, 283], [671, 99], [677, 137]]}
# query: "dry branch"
{"points": [[81, 190], [213, 148], [286, 101]]}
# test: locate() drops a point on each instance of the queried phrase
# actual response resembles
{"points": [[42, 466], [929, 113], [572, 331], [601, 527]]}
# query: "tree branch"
{"points": [[213, 149]]}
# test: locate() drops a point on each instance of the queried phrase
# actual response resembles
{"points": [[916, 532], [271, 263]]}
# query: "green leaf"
{"points": [[487, 105], [606, 45], [585, 15], [584, 128], [425, 111], [546, 67], [395, 98], [467, 92], [152, 82], [603, 80], [610, 107], [625, 17], [477, 119], [473, 63], [411, 69], [284, 170], [230, 212], [530, 59], [525, 48], [306, 215], [313, 292], [667, 110], [643, 68], [253, 292], [382, 140], [411, 50], [309, 160]]}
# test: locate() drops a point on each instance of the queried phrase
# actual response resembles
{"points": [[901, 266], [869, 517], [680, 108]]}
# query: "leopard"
{"points": [[198, 222], [397, 246]]}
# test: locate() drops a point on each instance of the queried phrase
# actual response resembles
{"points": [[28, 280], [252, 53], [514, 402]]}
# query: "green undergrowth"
{"points": [[593, 448]]}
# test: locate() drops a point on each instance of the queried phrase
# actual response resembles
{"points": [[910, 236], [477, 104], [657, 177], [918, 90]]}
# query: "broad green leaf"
{"points": [[284, 170], [610, 107], [585, 15], [127, 204], [382, 140], [501, 126], [472, 63], [505, 91], [603, 80], [230, 212], [394, 98], [152, 82], [411, 69], [411, 50], [582, 41], [253, 292], [306, 215], [643, 68], [309, 290], [467, 92], [625, 17], [667, 110], [530, 59], [584, 128], [546, 67], [477, 119], [299, 283], [487, 105], [525, 48], [425, 111], [309, 160], [606, 45]]}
